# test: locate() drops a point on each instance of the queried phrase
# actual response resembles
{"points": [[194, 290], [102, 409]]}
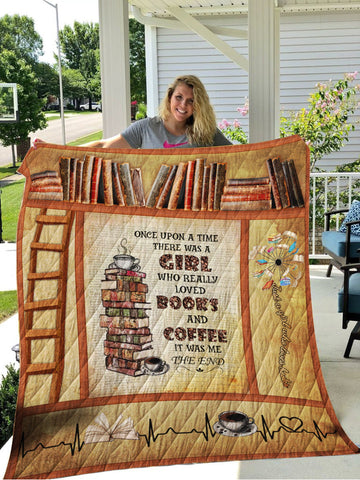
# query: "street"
{"points": [[76, 126]]}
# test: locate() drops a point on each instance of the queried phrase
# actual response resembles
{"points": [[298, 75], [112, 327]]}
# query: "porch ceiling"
{"points": [[161, 8]]}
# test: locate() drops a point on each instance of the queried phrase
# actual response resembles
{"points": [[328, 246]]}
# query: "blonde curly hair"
{"points": [[201, 126]]}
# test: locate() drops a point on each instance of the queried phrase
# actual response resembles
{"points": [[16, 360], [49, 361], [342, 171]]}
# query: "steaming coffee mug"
{"points": [[235, 421], [127, 262]]}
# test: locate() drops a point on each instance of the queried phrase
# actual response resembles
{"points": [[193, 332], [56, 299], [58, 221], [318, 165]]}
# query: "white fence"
{"points": [[328, 191]]}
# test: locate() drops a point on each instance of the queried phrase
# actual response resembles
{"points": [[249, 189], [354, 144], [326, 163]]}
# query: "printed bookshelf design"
{"points": [[191, 185]]}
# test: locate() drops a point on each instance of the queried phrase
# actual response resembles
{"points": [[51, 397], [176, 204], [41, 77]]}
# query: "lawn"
{"points": [[8, 304], [89, 138], [7, 170], [11, 197]]}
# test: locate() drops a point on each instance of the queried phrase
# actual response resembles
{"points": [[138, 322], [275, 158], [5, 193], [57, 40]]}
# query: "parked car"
{"points": [[94, 106]]}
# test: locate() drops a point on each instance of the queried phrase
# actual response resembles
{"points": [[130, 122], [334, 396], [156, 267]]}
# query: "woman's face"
{"points": [[182, 103]]}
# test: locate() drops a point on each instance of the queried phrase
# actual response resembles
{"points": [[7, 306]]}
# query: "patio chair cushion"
{"points": [[334, 241], [352, 215], [354, 294]]}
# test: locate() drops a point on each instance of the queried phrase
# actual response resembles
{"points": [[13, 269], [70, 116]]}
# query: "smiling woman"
{"points": [[186, 120]]}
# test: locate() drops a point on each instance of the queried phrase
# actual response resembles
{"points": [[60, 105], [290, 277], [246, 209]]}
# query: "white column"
{"points": [[115, 69], [264, 70], [152, 82]]}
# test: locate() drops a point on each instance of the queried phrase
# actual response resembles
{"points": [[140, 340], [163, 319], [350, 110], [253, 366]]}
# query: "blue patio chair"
{"points": [[349, 302], [342, 245]]}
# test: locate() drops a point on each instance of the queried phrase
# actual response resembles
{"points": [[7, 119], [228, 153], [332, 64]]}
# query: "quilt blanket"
{"points": [[165, 312]]}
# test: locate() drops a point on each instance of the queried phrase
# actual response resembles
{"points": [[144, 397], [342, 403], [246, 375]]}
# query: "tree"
{"points": [[17, 34], [48, 78], [15, 70], [137, 61], [80, 46], [74, 85]]}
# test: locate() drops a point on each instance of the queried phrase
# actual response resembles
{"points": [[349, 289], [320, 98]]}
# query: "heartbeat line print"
{"points": [[291, 425]]}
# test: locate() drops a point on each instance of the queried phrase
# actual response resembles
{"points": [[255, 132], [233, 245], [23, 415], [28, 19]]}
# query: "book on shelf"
{"points": [[65, 176], [118, 196], [274, 185], [138, 186], [229, 197], [46, 188], [78, 179], [46, 181], [189, 185], [86, 178], [198, 184], [248, 181], [219, 184], [72, 179], [246, 189], [181, 200], [164, 196], [295, 183], [157, 185], [246, 205], [289, 185], [45, 195], [107, 181], [212, 179], [95, 180], [125, 177], [50, 174], [205, 188], [179, 180], [281, 182]]}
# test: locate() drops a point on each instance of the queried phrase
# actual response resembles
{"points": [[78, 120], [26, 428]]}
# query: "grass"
{"points": [[11, 198], [8, 304], [7, 170], [88, 138]]}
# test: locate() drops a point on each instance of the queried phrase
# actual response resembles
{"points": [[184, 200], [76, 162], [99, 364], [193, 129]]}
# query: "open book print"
{"points": [[101, 432]]}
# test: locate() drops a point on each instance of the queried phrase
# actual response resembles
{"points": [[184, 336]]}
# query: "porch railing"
{"points": [[329, 191]]}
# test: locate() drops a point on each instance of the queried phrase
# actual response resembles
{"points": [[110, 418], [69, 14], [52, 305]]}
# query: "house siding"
{"points": [[313, 48]]}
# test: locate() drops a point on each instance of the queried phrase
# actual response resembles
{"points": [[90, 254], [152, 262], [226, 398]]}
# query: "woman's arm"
{"points": [[118, 141]]}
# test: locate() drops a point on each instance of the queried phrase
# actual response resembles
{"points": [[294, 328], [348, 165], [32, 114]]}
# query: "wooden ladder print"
{"points": [[55, 368]]}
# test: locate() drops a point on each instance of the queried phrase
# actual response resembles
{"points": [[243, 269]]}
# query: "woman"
{"points": [[186, 120]]}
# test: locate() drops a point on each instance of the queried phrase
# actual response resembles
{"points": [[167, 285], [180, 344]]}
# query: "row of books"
{"points": [[285, 185], [191, 185], [281, 189]]}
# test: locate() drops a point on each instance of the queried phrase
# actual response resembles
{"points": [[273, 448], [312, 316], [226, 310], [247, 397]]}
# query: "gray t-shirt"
{"points": [[151, 133]]}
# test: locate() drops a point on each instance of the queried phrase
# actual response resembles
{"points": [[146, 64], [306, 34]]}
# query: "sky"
{"points": [[44, 16]]}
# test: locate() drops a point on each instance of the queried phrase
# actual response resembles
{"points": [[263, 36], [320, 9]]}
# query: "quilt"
{"points": [[164, 310]]}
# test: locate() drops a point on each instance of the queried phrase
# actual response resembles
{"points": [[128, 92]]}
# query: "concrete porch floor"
{"points": [[342, 379]]}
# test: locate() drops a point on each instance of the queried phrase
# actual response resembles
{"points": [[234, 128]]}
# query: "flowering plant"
{"points": [[234, 131], [324, 125]]}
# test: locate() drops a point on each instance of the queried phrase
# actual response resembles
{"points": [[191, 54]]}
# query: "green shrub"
{"points": [[8, 396]]}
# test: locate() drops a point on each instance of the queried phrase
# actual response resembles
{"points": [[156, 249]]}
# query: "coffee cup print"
{"points": [[235, 424], [127, 262], [155, 366]]}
